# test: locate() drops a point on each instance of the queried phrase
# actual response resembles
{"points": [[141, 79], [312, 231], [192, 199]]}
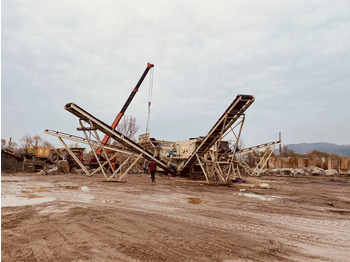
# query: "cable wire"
{"points": [[150, 91]]}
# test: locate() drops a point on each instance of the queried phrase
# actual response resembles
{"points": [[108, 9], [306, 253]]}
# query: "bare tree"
{"points": [[47, 144], [34, 141], [74, 145], [10, 144], [286, 152], [37, 140], [128, 127], [3, 143], [27, 141]]}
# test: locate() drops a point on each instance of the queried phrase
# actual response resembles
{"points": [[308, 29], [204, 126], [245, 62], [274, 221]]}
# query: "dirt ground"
{"points": [[88, 219]]}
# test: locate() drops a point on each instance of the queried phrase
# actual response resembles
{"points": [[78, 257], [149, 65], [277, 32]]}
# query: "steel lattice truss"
{"points": [[215, 164]]}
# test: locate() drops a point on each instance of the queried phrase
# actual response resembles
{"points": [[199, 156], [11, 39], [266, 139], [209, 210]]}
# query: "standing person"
{"points": [[153, 167]]}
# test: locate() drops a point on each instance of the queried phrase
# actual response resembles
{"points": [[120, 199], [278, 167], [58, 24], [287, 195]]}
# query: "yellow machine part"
{"points": [[42, 151]]}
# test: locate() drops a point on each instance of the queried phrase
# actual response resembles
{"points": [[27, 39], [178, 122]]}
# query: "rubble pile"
{"points": [[309, 171], [11, 162]]}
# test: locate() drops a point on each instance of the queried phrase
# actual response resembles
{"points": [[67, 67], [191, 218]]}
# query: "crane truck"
{"points": [[122, 112]]}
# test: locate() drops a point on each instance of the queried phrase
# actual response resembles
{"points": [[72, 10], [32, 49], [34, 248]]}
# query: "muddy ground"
{"points": [[88, 219]]}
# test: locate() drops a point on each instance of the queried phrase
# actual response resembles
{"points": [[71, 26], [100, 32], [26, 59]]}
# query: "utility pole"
{"points": [[280, 146]]}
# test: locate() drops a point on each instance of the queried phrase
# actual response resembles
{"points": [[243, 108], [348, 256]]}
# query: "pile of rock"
{"points": [[62, 167], [308, 171]]}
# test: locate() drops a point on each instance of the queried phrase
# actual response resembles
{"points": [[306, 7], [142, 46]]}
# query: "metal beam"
{"points": [[106, 129]]}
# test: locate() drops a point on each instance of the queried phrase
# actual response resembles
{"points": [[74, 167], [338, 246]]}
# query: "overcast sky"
{"points": [[293, 56]]}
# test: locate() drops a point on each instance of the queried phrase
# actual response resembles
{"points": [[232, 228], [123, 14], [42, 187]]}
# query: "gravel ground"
{"points": [[77, 218]]}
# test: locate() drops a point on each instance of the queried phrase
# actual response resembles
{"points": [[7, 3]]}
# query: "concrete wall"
{"points": [[345, 163], [301, 162]]}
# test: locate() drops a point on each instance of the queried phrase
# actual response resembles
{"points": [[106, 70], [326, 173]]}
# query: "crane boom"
{"points": [[126, 105]]}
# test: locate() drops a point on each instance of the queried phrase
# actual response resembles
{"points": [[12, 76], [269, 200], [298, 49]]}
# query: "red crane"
{"points": [[127, 103]]}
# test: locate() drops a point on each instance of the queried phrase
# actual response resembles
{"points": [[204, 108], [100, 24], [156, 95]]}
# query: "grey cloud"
{"points": [[293, 57]]}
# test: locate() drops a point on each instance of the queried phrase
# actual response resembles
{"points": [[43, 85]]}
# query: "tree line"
{"points": [[27, 141], [127, 127]]}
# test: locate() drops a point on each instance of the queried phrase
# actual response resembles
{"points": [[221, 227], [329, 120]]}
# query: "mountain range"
{"points": [[304, 148]]}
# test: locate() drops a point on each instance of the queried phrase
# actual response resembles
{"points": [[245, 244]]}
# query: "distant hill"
{"points": [[304, 148]]}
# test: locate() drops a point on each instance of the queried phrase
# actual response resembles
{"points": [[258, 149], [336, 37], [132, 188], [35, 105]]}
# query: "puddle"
{"points": [[111, 201], [70, 187], [346, 199], [29, 190], [82, 188], [261, 197], [13, 201], [196, 201], [106, 201], [85, 197], [33, 196], [35, 190]]}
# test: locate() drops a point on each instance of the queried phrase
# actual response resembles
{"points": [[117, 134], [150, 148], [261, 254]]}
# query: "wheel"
{"points": [[54, 157]]}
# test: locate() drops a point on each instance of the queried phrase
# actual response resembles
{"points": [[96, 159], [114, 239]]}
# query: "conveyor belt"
{"points": [[83, 140], [253, 148], [106, 129], [232, 113]]}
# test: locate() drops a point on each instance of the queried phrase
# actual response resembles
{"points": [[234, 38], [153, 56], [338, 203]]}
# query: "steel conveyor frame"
{"points": [[107, 130], [93, 145], [233, 113], [269, 148]]}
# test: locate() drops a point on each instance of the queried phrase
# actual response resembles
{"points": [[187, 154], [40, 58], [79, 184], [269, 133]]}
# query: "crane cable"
{"points": [[150, 90]]}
